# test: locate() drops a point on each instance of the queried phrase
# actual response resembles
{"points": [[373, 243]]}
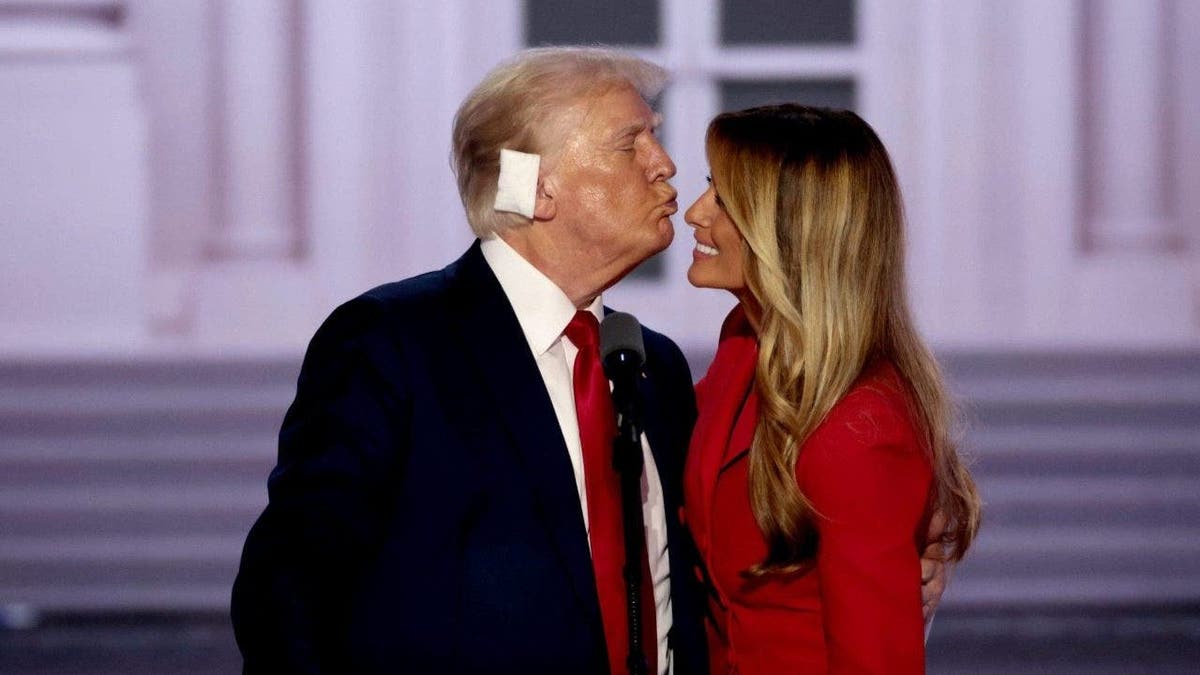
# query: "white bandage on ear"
{"points": [[517, 188]]}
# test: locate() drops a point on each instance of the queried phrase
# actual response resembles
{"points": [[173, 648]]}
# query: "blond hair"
{"points": [[814, 195], [517, 105]]}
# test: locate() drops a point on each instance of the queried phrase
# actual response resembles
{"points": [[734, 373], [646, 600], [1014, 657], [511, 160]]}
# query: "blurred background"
{"points": [[188, 187]]}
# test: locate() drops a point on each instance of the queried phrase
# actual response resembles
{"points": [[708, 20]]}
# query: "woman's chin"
{"points": [[699, 279]]}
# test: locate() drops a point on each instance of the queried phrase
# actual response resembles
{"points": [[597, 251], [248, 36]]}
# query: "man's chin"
{"points": [[654, 245], [666, 234]]}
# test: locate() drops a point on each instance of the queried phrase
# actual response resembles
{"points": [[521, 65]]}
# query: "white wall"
{"points": [[213, 177], [73, 185]]}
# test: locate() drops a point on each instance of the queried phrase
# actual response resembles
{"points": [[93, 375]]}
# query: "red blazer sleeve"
{"points": [[869, 479]]}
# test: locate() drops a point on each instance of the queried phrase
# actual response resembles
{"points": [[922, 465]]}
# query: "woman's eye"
{"points": [[720, 202]]}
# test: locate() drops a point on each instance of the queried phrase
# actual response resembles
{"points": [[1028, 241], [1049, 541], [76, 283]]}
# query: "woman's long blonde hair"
{"points": [[814, 195]]}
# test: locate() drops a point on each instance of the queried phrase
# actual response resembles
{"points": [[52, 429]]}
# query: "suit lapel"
{"points": [[496, 346], [658, 433], [722, 395]]}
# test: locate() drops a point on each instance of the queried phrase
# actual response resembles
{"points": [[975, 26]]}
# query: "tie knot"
{"points": [[584, 330]]}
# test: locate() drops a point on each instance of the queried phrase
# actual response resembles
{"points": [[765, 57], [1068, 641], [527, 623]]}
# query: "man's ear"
{"points": [[544, 207]]}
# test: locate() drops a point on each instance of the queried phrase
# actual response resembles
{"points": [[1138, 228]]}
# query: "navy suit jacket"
{"points": [[423, 516]]}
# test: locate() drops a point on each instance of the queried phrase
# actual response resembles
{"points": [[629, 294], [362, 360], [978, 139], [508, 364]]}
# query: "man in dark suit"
{"points": [[431, 511]]}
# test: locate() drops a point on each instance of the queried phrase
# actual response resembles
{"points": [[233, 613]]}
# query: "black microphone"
{"points": [[623, 352]]}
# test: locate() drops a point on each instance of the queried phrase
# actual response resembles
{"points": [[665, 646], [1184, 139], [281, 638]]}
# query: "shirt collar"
{"points": [[542, 309]]}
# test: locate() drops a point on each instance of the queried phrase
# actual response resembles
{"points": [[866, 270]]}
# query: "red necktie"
{"points": [[597, 429]]}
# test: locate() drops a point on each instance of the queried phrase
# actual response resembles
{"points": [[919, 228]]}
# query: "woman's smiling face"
{"points": [[717, 258]]}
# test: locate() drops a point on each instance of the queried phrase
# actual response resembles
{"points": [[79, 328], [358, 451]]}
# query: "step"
{"points": [[104, 597], [117, 498], [1042, 590], [173, 445], [1102, 551]]}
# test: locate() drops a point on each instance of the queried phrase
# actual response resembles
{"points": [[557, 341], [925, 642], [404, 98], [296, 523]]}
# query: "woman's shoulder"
{"points": [[875, 412], [880, 385], [867, 442]]}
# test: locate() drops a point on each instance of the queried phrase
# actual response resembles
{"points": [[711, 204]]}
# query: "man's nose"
{"points": [[661, 166]]}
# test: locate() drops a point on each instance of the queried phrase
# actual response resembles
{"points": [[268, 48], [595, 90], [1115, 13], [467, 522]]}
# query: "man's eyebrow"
{"points": [[638, 127], [631, 130]]}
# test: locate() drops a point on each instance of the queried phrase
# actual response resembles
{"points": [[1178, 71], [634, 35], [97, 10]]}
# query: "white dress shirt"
{"points": [[544, 311]]}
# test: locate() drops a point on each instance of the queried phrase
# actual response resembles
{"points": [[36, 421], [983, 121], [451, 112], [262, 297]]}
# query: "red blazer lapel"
{"points": [[720, 397]]}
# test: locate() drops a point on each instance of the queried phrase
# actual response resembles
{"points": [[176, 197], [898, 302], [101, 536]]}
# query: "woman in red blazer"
{"points": [[823, 445]]}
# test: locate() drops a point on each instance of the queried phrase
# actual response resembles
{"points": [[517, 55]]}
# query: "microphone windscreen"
{"points": [[621, 331]]}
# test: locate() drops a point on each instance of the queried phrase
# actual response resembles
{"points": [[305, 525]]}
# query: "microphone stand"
{"points": [[628, 461]]}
